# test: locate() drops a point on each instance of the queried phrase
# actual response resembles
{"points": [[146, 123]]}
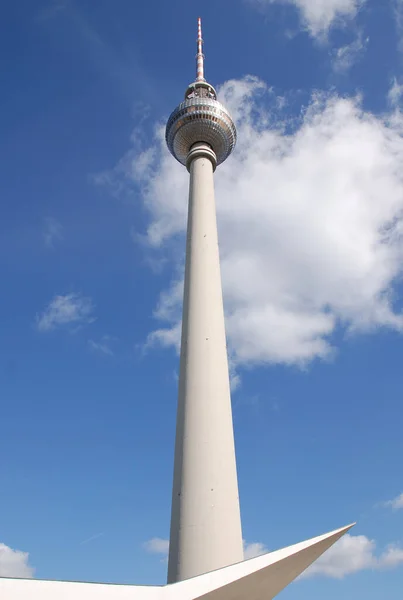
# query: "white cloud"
{"points": [[71, 309], [391, 558], [396, 503], [398, 13], [165, 337], [52, 232], [395, 93], [346, 56], [320, 15], [234, 377], [250, 550], [157, 546], [352, 554], [310, 215], [14, 563]]}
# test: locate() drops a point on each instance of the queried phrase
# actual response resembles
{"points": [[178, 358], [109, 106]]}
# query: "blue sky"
{"points": [[310, 212]]}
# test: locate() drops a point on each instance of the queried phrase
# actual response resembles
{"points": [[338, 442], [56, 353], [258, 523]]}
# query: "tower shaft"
{"points": [[205, 522]]}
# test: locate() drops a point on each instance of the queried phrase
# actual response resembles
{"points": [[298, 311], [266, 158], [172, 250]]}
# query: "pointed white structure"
{"points": [[206, 555], [261, 577]]}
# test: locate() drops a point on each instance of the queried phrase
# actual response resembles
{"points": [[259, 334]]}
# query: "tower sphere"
{"points": [[200, 118]]}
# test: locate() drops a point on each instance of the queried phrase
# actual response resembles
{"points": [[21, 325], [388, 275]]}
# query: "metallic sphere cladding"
{"points": [[200, 118]]}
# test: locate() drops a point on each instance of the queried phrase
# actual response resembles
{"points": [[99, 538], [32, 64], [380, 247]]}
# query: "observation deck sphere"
{"points": [[200, 119]]}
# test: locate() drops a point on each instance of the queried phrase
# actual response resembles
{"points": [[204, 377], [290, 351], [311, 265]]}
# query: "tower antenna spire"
{"points": [[200, 55]]}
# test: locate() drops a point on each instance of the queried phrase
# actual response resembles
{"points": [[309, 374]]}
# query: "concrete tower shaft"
{"points": [[205, 521], [205, 524]]}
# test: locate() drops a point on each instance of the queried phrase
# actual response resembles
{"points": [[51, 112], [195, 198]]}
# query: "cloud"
{"points": [[398, 14], [395, 93], [167, 310], [346, 56], [396, 503], [52, 232], [71, 309], [14, 563], [318, 16], [157, 546], [165, 337], [310, 214], [250, 550], [102, 346], [352, 554]]}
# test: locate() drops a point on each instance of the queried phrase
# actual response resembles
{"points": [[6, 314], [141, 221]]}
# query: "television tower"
{"points": [[206, 552], [206, 529]]}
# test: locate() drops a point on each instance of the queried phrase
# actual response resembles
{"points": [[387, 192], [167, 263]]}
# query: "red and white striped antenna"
{"points": [[200, 55]]}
